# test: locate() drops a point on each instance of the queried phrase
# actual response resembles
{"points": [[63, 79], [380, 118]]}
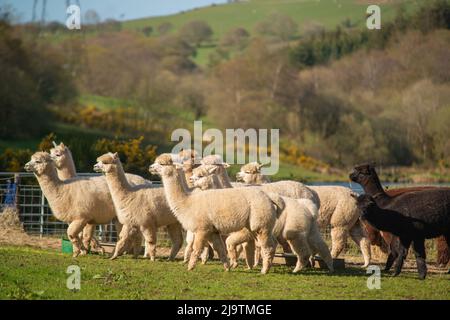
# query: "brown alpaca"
{"points": [[384, 239]]}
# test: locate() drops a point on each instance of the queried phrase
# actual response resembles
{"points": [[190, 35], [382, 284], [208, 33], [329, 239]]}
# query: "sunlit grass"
{"points": [[27, 273]]}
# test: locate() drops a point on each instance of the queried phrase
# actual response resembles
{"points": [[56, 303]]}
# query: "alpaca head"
{"points": [[107, 163], [60, 154], [365, 203], [164, 165], [214, 159], [362, 174], [203, 177], [249, 172], [40, 163]]}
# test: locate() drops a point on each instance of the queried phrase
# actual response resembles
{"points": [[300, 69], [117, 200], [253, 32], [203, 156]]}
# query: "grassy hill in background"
{"points": [[223, 18]]}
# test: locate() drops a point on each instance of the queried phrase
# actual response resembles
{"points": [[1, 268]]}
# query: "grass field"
{"points": [[27, 273]]}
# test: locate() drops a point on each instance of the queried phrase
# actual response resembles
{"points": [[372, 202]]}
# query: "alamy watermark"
{"points": [[73, 21], [73, 281], [373, 17], [249, 145], [374, 280]]}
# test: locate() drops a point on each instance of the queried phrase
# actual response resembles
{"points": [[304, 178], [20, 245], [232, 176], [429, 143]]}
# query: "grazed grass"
{"points": [[27, 273]]}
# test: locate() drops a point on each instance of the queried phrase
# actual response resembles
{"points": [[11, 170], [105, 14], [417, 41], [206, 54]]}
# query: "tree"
{"points": [[196, 32], [164, 28], [278, 25], [236, 38], [148, 30]]}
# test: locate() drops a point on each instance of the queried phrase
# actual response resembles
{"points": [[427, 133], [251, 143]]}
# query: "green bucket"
{"points": [[66, 246]]}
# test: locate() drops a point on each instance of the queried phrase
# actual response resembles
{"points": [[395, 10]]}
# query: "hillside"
{"points": [[224, 17]]}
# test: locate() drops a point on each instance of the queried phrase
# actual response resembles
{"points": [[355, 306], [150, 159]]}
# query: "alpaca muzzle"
{"points": [[98, 168], [28, 167], [353, 176]]}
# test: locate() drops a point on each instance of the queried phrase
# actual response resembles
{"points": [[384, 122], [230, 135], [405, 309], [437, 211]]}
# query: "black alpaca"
{"points": [[413, 217]]}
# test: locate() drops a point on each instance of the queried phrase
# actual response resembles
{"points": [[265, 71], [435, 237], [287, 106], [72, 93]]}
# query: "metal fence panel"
{"points": [[36, 215]]}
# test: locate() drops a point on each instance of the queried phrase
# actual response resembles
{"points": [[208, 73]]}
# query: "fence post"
{"points": [[16, 197], [41, 227]]}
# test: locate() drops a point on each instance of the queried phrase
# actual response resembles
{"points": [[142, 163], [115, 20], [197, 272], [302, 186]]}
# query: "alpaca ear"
{"points": [[354, 195], [116, 155], [226, 165], [212, 169], [62, 145], [54, 144], [178, 165]]}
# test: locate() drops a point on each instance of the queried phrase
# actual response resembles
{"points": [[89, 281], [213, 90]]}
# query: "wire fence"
{"points": [[21, 190]]}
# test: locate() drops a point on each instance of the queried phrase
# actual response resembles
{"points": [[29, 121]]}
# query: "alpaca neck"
{"points": [[175, 191], [261, 179], [374, 188], [117, 182], [50, 183], [67, 170], [224, 179]]}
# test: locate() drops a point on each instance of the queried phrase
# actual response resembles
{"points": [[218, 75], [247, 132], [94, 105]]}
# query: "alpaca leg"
{"points": [[88, 232], [447, 239], [338, 239], [205, 254], [268, 247], [239, 250], [149, 234], [249, 250], [317, 243], [97, 246], [126, 234], [402, 253], [257, 254], [219, 247], [419, 251], [358, 236], [176, 236], [233, 240], [200, 241], [73, 232], [189, 246], [301, 249], [284, 244], [393, 253], [135, 242], [443, 251]]}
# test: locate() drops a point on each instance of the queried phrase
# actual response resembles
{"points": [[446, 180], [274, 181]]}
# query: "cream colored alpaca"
{"points": [[297, 224], [337, 209], [202, 179], [77, 201], [210, 182], [62, 156], [291, 189], [211, 212], [140, 207]]}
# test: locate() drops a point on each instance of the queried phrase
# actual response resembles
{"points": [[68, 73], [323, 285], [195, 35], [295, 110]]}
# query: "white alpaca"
{"points": [[66, 169], [338, 209], [213, 212], [140, 207], [201, 180], [296, 223], [77, 201], [291, 189]]}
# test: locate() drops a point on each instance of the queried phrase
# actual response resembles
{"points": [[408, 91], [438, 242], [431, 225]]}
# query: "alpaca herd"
{"points": [[251, 215]]}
